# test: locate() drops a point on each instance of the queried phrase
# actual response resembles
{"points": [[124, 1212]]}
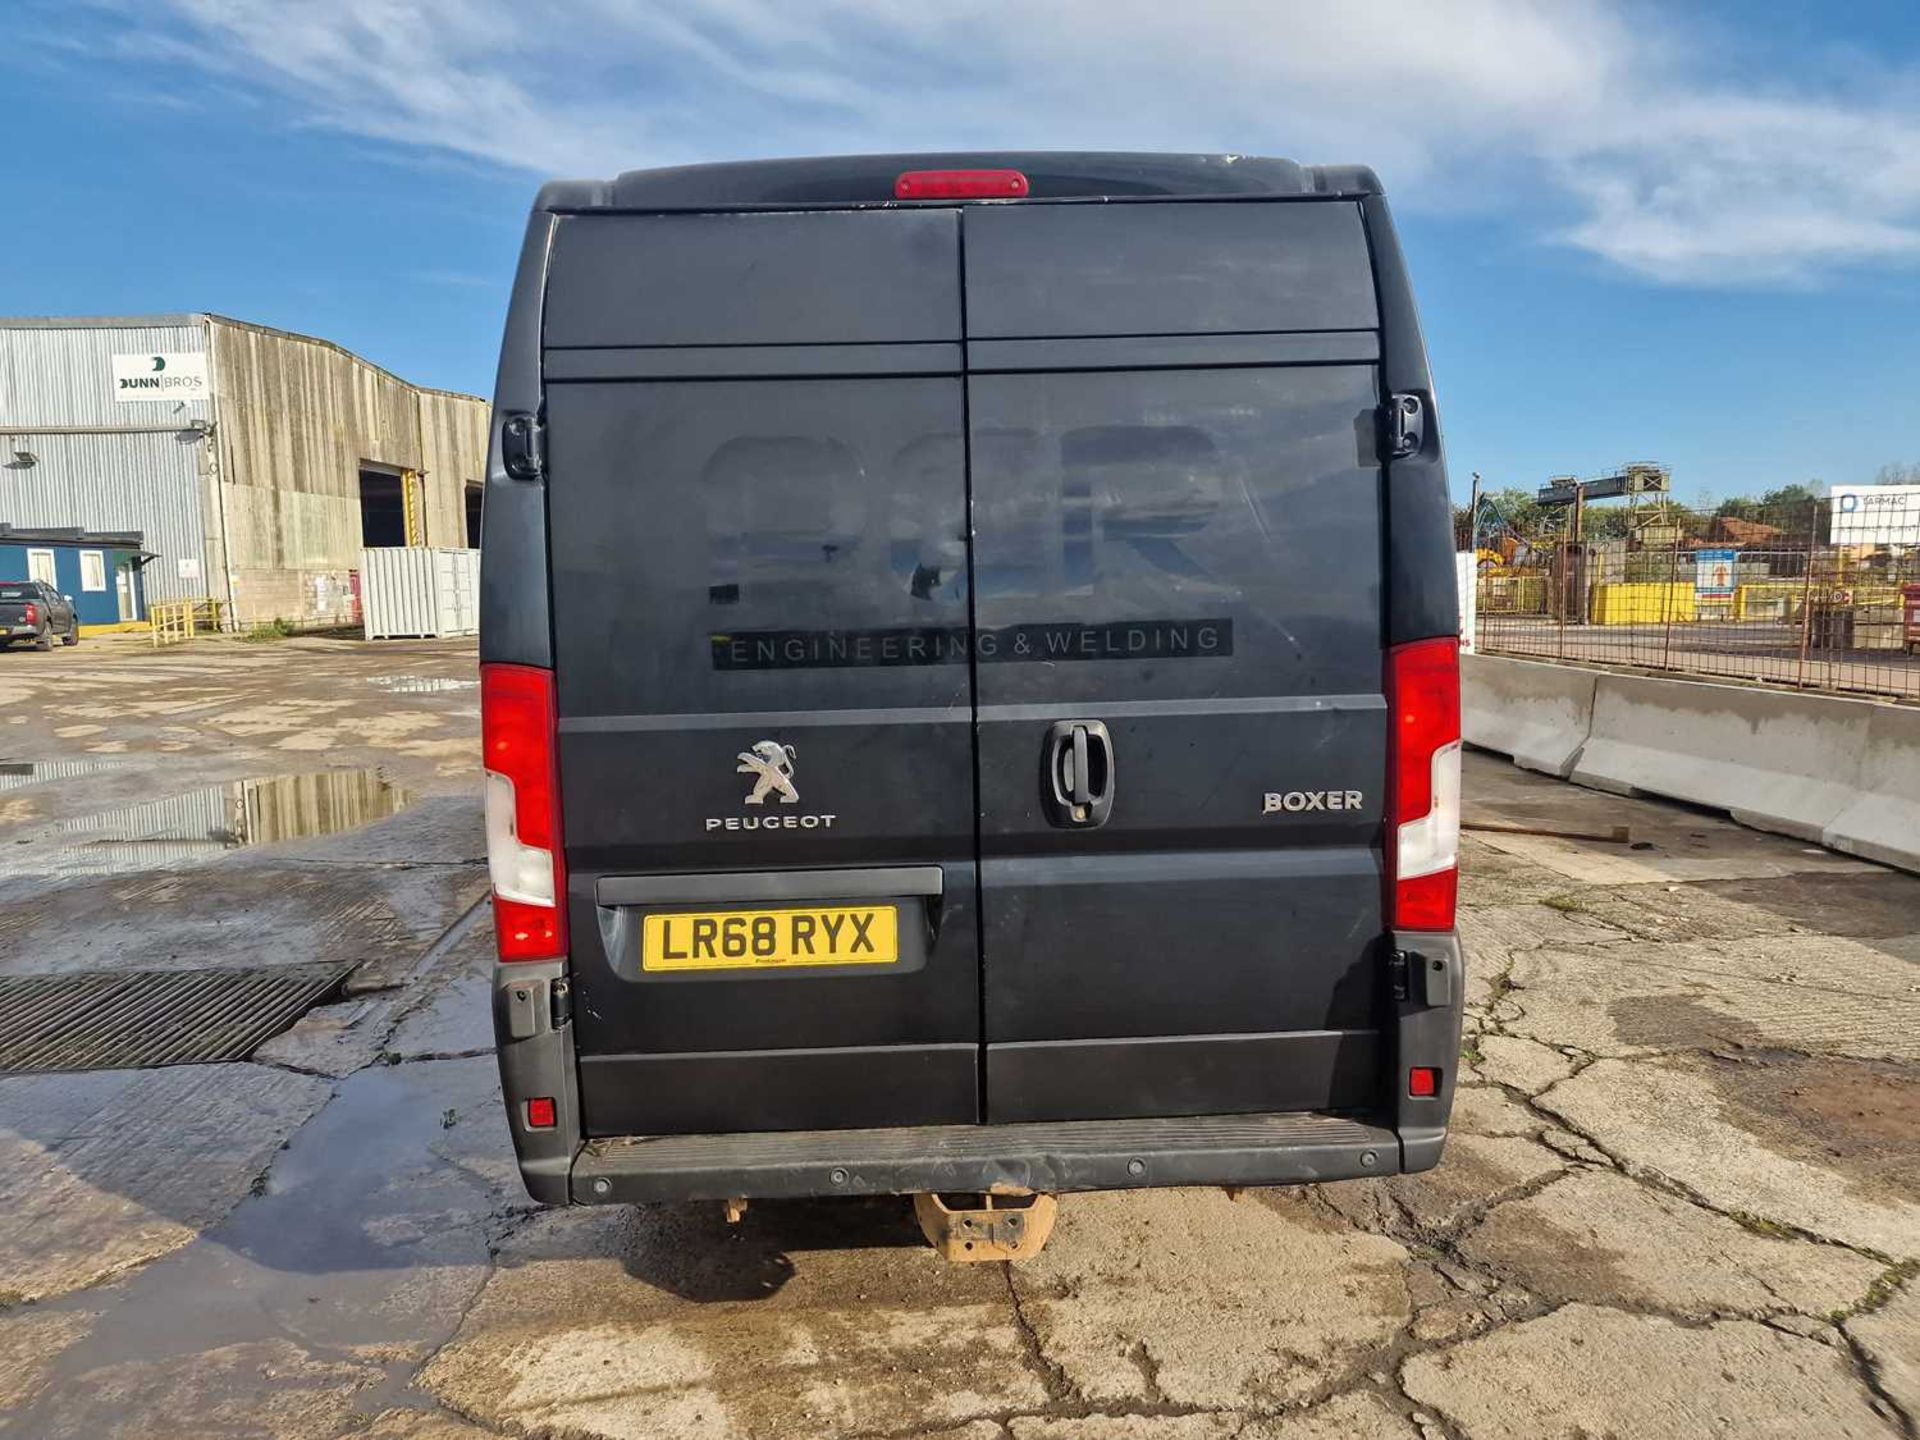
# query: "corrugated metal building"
{"points": [[256, 463]]}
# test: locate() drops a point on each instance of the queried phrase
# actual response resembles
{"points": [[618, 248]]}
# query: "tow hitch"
{"points": [[1013, 1226]]}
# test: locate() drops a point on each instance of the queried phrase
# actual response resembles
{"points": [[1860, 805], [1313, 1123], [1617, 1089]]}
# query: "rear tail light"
{"points": [[33, 613], [961, 185], [1423, 1082], [517, 736], [1423, 857], [542, 1113]]}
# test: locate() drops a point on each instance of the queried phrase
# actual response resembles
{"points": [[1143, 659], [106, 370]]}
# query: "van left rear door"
{"points": [[755, 434]]}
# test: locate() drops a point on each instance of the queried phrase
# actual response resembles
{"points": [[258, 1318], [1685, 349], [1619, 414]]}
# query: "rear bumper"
{"points": [[1052, 1157], [537, 1060]]}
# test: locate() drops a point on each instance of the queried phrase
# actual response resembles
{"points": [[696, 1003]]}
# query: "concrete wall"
{"points": [[1843, 773], [453, 451], [298, 418]]}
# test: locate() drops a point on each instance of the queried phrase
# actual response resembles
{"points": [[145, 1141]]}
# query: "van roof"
{"points": [[868, 180]]}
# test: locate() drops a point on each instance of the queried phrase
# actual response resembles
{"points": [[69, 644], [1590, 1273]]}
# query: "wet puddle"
{"points": [[207, 824], [17, 774], [419, 684]]}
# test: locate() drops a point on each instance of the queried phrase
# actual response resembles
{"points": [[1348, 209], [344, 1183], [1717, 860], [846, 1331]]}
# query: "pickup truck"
{"points": [[33, 610]]}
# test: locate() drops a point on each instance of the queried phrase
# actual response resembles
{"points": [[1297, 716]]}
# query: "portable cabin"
{"points": [[100, 570]]}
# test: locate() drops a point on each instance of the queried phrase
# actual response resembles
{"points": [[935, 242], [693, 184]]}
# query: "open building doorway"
{"points": [[474, 493], [383, 507]]}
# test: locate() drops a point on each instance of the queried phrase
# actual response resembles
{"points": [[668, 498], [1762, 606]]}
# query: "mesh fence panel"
{"points": [[1822, 594]]}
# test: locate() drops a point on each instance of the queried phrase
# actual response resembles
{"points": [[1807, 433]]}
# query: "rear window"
{"points": [[1224, 522], [1203, 268], [813, 279], [19, 592], [769, 516]]}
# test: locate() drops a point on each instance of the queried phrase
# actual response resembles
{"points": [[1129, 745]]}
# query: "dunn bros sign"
{"points": [[178, 376]]}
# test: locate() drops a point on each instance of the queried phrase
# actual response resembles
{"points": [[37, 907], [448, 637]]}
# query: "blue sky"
{"points": [[1683, 233]]}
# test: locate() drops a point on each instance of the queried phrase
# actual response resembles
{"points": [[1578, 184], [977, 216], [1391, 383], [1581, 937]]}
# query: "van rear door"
{"points": [[757, 457], [1182, 734]]}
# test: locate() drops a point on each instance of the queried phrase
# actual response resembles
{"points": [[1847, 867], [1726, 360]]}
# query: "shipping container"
{"points": [[419, 593]]}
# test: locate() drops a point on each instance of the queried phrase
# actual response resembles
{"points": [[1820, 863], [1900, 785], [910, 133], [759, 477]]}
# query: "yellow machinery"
{"points": [[1642, 604]]}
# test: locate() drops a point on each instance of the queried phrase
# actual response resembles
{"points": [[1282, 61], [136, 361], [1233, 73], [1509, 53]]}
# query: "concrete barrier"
{"points": [[1882, 822], [1842, 773], [1536, 712], [1772, 759]]}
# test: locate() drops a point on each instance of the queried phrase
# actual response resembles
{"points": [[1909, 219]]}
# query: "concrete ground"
{"points": [[1682, 1197]]}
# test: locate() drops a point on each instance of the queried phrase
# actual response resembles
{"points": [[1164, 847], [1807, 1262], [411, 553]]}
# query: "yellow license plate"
{"points": [[772, 939]]}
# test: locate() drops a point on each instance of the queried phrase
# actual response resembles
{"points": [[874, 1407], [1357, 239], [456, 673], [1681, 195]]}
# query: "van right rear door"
{"points": [[1182, 735]]}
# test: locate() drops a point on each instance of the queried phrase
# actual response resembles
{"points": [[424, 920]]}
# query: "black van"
{"points": [[969, 682]]}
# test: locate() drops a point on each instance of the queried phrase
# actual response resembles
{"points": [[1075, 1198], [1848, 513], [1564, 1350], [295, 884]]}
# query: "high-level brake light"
{"points": [[1423, 857], [961, 185], [517, 736]]}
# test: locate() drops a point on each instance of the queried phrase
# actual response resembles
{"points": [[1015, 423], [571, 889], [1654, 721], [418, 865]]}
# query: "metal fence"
{"points": [[174, 622], [1818, 595]]}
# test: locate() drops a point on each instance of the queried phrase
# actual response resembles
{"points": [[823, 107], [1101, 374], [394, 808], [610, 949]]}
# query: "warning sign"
{"points": [[1714, 573]]}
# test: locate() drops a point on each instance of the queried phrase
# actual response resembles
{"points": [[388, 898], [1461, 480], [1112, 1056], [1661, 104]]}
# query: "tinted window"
{"points": [[746, 545], [1178, 269], [755, 279], [1177, 533]]}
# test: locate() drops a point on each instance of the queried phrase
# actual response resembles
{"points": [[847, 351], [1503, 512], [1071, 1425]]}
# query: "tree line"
{"points": [[1782, 505]]}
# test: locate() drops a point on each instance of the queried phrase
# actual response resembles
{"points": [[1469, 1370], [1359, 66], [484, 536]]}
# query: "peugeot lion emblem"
{"points": [[771, 765]]}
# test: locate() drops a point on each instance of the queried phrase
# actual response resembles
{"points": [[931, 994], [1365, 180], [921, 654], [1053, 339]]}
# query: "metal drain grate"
{"points": [[135, 1019]]}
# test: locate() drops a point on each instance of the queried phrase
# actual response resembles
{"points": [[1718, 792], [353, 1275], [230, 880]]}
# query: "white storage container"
{"points": [[419, 592]]}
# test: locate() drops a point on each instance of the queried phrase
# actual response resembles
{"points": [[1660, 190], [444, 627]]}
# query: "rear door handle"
{"points": [[1076, 774]]}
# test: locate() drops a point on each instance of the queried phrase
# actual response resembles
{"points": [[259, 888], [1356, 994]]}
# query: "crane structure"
{"points": [[1643, 477]]}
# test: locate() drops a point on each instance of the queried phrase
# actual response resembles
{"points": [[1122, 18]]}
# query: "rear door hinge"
{"points": [[523, 447], [1405, 419]]}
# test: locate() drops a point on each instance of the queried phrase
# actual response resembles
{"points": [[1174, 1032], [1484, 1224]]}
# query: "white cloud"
{"points": [[1600, 123]]}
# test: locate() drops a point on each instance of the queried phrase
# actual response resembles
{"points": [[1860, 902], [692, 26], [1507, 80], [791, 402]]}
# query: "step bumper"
{"points": [[1050, 1157]]}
